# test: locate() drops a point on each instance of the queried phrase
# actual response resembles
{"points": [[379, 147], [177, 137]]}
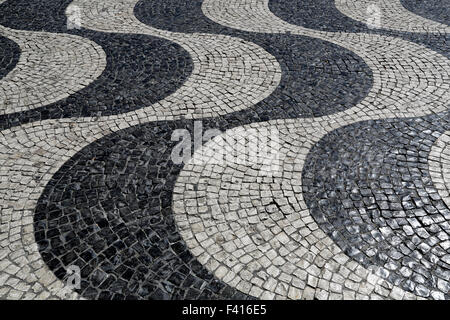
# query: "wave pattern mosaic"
{"points": [[130, 165]]}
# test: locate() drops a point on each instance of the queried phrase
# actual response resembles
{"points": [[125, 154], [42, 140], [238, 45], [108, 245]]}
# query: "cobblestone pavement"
{"points": [[100, 99]]}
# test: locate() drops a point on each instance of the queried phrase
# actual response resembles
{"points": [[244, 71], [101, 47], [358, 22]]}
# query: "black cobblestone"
{"points": [[368, 186]]}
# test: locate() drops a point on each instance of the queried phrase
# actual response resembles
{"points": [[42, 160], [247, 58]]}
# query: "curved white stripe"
{"points": [[229, 75], [25, 169], [117, 17], [216, 86], [31, 155], [392, 15], [409, 79], [249, 224], [51, 67]]}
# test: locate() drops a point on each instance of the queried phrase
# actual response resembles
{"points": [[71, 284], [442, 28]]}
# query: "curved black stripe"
{"points": [[140, 71], [323, 15], [315, 14], [177, 16], [318, 77], [108, 211], [368, 187], [9, 55]]}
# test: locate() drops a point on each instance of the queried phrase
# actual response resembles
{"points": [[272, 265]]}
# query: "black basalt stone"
{"points": [[123, 252], [318, 77], [389, 244], [140, 71]]}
